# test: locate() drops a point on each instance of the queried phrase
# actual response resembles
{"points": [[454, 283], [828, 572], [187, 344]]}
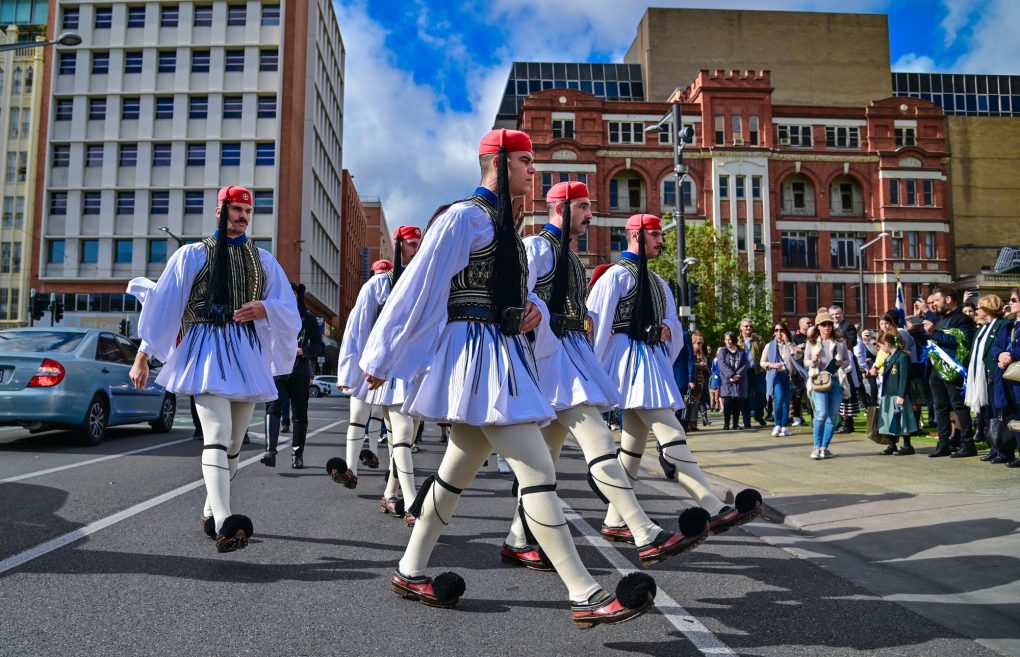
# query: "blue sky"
{"points": [[423, 79]]}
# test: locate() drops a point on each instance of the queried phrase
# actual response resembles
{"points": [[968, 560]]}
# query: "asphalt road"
{"points": [[101, 554]]}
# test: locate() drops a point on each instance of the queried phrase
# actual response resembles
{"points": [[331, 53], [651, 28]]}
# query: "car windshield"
{"points": [[61, 342]]}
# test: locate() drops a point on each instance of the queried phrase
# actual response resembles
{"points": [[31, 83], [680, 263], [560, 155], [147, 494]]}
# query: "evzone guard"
{"points": [[637, 337], [458, 319], [389, 397], [223, 320], [579, 390]]}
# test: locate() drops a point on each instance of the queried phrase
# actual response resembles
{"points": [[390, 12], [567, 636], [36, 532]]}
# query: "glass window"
{"points": [[894, 192], [132, 62], [55, 252], [136, 17], [198, 107], [905, 136], [231, 107], [844, 250], [58, 203], [929, 246], [911, 186], [738, 131], [233, 60], [68, 62], [104, 18], [130, 108], [752, 130], [161, 155], [794, 135], [547, 182], [167, 61], [755, 187], [789, 298], [203, 15], [897, 247], [69, 20], [740, 191], [122, 251], [626, 132], [724, 187], [64, 109], [812, 296], [842, 137], [94, 155], [563, 128], [157, 252], [193, 202], [230, 155], [720, 130], [61, 155], [236, 15], [912, 244], [100, 63], [799, 249], [165, 107], [159, 203], [196, 155], [267, 107], [269, 60], [97, 109], [200, 61], [928, 192], [839, 294], [169, 16], [128, 155], [91, 202], [270, 14], [126, 203], [89, 252], [264, 202], [265, 154]]}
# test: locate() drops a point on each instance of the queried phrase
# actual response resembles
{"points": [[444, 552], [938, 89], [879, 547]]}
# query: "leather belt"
{"points": [[472, 314]]}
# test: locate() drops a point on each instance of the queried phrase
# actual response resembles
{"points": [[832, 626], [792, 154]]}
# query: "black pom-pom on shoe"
{"points": [[338, 471], [747, 500], [636, 591], [234, 533], [368, 459], [693, 521], [448, 587], [209, 526]]}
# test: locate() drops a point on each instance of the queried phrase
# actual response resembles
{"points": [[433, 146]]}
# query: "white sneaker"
{"points": [[786, 432], [777, 430], [816, 453], [502, 465], [797, 422], [826, 454]]}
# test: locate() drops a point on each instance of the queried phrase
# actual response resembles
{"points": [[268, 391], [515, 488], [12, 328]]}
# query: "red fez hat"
{"points": [[407, 233], [234, 194], [644, 222], [566, 191], [512, 140], [597, 274], [381, 266]]}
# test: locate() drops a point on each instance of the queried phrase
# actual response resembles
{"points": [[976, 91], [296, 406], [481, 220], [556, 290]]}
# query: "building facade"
{"points": [[380, 242], [802, 187], [162, 104]]}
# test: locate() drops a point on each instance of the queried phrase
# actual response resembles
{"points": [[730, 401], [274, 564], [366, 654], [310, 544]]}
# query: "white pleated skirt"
{"points": [[572, 376], [642, 374]]}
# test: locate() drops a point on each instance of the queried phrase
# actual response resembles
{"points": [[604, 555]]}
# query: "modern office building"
{"points": [[162, 104]]}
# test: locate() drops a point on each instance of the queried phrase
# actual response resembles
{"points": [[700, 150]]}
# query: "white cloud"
{"points": [[992, 44], [914, 63], [957, 16]]}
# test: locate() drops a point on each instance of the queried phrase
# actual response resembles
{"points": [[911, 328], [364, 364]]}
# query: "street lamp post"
{"points": [[862, 304], [166, 229], [69, 39]]}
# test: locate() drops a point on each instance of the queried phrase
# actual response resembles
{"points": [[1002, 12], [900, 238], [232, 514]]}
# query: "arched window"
{"points": [[798, 195], [627, 192], [16, 81], [669, 195], [846, 198]]}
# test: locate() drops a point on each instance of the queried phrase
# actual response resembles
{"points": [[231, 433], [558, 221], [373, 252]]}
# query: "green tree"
{"points": [[727, 292]]}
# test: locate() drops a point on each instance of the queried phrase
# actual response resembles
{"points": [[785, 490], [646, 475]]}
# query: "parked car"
{"points": [[329, 380], [67, 378], [319, 388]]}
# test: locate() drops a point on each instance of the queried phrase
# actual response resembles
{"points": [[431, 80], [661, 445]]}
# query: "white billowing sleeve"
{"points": [[672, 320], [602, 301], [359, 324], [406, 335], [279, 330], [540, 261], [163, 302]]}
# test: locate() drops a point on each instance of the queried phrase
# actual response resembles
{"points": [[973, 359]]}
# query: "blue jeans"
{"points": [[781, 399], [826, 411]]}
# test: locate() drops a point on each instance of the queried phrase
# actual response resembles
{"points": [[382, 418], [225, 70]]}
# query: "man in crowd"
{"points": [[754, 403]]}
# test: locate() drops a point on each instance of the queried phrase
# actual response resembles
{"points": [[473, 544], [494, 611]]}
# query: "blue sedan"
{"points": [[65, 378]]}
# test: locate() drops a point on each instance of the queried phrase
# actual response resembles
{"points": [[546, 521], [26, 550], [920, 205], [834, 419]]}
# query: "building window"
{"points": [[906, 136], [894, 192], [122, 251], [230, 155], [193, 202], [200, 61], [100, 63], [167, 61], [928, 192], [626, 193], [838, 294], [61, 156], [132, 62], [203, 15], [269, 60], [104, 18], [741, 235], [157, 252], [125, 203], [198, 107], [233, 60], [68, 62], [547, 182], [720, 130], [64, 109], [929, 246], [97, 109], [738, 130], [91, 202], [69, 21], [12, 132], [231, 107], [626, 132], [843, 247], [130, 108], [911, 189], [169, 16], [812, 296], [752, 130], [740, 187], [798, 197], [264, 202], [196, 155], [128, 156], [270, 14], [789, 298], [897, 247], [94, 155], [794, 135], [669, 194], [842, 137], [159, 203], [89, 252], [845, 198], [55, 252], [756, 187], [161, 155], [265, 154], [912, 244], [136, 17], [267, 107], [799, 249], [563, 128], [237, 15], [165, 107], [58, 203], [724, 187]]}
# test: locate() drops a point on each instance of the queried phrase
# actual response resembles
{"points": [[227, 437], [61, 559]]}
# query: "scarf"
{"points": [[977, 378]]}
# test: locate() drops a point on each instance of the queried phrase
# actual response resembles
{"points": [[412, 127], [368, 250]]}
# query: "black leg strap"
{"points": [[233, 456], [675, 442], [629, 453], [449, 487], [528, 490], [407, 445], [215, 446], [600, 459], [355, 424]]}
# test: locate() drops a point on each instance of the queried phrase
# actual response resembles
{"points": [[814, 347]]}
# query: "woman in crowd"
{"points": [[776, 360], [895, 418], [732, 361], [702, 372], [714, 383], [824, 354], [1005, 393], [982, 366]]}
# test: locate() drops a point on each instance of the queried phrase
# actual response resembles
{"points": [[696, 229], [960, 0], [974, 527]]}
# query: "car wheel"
{"points": [[93, 425], [167, 411], [313, 391]]}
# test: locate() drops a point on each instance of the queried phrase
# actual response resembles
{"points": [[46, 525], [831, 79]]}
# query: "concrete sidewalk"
{"points": [[939, 536]]}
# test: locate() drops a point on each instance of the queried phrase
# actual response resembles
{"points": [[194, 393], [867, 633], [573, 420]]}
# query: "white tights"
{"points": [[361, 413], [223, 425], [401, 435]]}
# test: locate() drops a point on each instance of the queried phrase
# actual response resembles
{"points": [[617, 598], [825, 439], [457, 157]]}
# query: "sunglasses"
{"points": [[1014, 300]]}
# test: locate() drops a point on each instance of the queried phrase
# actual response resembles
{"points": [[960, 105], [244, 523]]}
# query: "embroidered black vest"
{"points": [[247, 281], [577, 285], [626, 306]]}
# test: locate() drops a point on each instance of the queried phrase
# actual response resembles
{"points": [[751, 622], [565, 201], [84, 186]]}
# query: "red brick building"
{"points": [[801, 186], [380, 246]]}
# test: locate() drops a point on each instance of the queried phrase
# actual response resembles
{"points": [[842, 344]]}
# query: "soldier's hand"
{"points": [[665, 335], [374, 382], [250, 311], [140, 372], [532, 317]]}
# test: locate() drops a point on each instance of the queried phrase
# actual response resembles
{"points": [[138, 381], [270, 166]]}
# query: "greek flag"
{"points": [[901, 304]]}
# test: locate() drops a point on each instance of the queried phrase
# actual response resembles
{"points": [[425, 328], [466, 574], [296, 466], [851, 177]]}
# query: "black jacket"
{"points": [[957, 320], [310, 342]]}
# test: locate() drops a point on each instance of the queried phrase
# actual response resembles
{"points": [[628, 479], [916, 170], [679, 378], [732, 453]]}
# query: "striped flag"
{"points": [[901, 304]]}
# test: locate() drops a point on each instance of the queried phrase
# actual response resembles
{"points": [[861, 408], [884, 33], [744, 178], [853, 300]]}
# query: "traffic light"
{"points": [[57, 308], [125, 327], [692, 294], [39, 305]]}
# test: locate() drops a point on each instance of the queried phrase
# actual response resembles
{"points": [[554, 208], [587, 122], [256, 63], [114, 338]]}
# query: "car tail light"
{"points": [[50, 373]]}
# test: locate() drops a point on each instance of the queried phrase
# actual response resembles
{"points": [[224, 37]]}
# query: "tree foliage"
{"points": [[727, 291]]}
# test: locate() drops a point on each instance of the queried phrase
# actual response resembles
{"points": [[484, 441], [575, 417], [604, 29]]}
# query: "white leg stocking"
{"points": [[400, 437], [223, 428], [360, 412], [632, 446]]}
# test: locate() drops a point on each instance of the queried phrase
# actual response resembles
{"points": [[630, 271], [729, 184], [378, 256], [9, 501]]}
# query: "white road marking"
{"points": [[91, 528], [680, 618], [69, 466]]}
